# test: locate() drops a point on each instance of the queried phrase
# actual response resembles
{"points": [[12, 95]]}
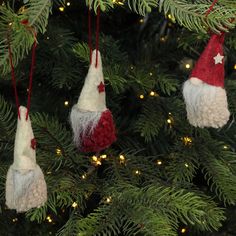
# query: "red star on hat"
{"points": [[33, 143], [101, 87]]}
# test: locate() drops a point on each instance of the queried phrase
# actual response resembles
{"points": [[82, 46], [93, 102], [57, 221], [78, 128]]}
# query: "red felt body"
{"points": [[205, 68], [102, 136]]}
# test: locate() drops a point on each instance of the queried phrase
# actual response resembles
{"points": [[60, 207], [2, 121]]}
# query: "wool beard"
{"points": [[25, 189], [206, 104], [93, 130]]}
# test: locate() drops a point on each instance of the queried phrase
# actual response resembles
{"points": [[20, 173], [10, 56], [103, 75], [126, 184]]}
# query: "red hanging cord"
{"points": [[97, 35], [90, 35], [211, 7], [30, 77]]}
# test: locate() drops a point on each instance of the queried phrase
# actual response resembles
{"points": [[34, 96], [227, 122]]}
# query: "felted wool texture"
{"points": [[25, 190], [206, 105], [83, 122], [90, 99], [25, 184], [205, 68]]}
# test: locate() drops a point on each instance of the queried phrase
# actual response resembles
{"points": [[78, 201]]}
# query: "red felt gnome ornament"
{"points": [[91, 121], [204, 93]]}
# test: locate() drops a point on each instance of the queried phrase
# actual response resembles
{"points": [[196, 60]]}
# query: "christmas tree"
{"points": [[162, 175]]}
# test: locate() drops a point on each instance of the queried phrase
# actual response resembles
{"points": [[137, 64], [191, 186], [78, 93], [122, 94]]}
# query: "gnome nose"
{"points": [[33, 143]]}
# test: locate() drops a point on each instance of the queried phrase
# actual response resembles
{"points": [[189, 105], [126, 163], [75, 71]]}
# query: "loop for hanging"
{"points": [[25, 22], [90, 34]]}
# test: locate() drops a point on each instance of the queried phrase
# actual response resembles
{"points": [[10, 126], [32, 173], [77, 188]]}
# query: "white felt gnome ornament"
{"points": [[91, 121], [204, 93], [25, 184]]}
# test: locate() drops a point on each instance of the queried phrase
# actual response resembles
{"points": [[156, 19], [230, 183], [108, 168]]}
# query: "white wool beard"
{"points": [[206, 104], [83, 122]]}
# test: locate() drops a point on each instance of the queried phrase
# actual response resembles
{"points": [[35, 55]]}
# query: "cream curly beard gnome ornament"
{"points": [[204, 93], [91, 121], [25, 184]]}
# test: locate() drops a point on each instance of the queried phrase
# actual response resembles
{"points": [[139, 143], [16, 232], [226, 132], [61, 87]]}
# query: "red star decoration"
{"points": [[33, 143], [101, 87]]}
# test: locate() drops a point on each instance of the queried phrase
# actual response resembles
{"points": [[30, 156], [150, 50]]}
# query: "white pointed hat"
{"points": [[24, 151], [92, 96]]}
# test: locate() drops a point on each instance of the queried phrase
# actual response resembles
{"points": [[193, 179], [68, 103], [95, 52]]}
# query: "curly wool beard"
{"points": [[206, 104]]}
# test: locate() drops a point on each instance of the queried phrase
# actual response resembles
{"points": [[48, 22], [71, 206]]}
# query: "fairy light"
{"points": [[61, 9], [58, 151], [49, 172], [68, 4], [187, 140], [141, 21], [104, 156], [131, 67], [94, 158], [14, 220], [150, 74], [169, 121], [83, 176], [66, 103], [159, 162], [141, 96], [47, 38], [49, 219], [74, 205], [10, 24], [225, 147], [152, 93], [235, 66], [108, 199], [162, 39], [137, 172], [183, 230], [122, 159], [186, 165], [187, 66]]}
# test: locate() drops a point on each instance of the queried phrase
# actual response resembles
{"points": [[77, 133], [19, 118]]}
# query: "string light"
{"points": [[108, 199], [225, 147], [235, 66], [94, 158], [74, 205], [169, 121], [49, 219], [183, 230], [162, 39], [104, 156], [159, 162], [141, 96], [131, 67], [152, 93], [137, 172], [141, 21], [10, 24], [187, 140], [150, 74], [186, 165], [47, 38], [58, 151], [187, 66], [122, 159], [49, 172], [68, 4], [14, 220], [118, 2], [83, 176], [61, 9], [66, 103]]}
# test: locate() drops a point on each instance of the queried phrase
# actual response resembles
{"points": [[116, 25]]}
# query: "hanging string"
{"points": [[30, 77], [211, 7], [97, 35], [90, 35]]}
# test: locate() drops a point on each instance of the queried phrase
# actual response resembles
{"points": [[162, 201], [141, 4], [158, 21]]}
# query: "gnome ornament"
{"points": [[91, 121], [204, 93], [25, 184]]}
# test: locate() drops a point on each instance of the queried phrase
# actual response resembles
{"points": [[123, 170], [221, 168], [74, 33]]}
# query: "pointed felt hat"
{"points": [[210, 66], [92, 96], [24, 151]]}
